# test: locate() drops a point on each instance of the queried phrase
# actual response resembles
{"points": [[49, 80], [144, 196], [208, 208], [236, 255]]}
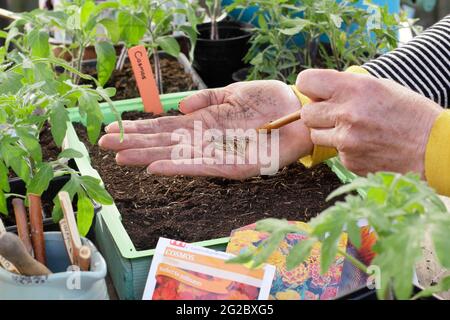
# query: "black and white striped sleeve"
{"points": [[423, 64]]}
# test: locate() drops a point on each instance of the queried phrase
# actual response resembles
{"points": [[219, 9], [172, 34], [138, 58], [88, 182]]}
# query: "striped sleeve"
{"points": [[423, 64]]}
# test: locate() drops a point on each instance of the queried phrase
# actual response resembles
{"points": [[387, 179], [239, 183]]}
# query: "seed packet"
{"points": [[305, 282], [182, 271]]}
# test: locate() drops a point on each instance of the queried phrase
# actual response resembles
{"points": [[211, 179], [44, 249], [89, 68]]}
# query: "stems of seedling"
{"points": [[361, 266], [7, 195], [122, 58], [158, 75]]}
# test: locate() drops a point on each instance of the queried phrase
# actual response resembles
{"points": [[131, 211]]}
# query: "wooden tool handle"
{"points": [[84, 258], [2, 227], [69, 217], [23, 231], [281, 122], [37, 228], [67, 240], [8, 266], [13, 250]]}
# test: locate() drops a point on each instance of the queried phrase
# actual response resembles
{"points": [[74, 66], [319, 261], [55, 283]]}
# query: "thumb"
{"points": [[202, 99], [319, 84]]}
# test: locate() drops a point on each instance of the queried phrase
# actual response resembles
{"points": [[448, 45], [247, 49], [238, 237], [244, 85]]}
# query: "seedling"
{"points": [[214, 11], [31, 95], [291, 37], [151, 23], [401, 209], [79, 21]]}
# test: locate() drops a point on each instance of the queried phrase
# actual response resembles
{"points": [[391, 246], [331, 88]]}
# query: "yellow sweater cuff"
{"points": [[437, 155], [319, 153]]}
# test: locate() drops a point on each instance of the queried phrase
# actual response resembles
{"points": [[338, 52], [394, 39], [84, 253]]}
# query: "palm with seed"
{"points": [[244, 105]]}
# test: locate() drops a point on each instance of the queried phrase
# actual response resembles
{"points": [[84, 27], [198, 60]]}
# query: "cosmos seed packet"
{"points": [[182, 271]]}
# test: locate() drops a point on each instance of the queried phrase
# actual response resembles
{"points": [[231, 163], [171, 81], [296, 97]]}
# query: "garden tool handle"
{"points": [[37, 228], [5, 264], [85, 255], [2, 227], [72, 229], [12, 249], [8, 266], [20, 213]]}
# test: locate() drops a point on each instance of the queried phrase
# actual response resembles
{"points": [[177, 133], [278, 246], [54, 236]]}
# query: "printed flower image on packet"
{"points": [[305, 281], [182, 271]]}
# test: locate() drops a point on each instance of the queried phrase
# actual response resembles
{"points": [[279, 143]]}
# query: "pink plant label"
{"points": [[145, 80]]}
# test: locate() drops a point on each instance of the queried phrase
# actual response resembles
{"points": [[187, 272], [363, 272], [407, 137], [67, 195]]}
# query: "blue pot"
{"points": [[62, 284]]}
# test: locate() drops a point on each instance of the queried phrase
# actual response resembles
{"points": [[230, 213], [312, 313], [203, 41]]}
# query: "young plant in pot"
{"points": [[152, 24], [84, 27], [400, 209], [290, 37], [221, 47], [34, 100]]}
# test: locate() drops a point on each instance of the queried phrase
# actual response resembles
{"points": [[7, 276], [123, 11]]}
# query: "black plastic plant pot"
{"points": [[18, 187], [216, 60], [365, 293]]}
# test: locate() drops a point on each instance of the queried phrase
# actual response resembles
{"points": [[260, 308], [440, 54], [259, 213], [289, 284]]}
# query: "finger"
{"points": [[202, 99], [157, 125], [111, 141], [324, 137], [145, 156], [318, 84], [201, 167], [319, 114]]}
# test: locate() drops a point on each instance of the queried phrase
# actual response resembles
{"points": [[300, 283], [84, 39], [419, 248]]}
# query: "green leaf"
{"points": [[30, 142], [3, 208], [71, 187], [354, 233], [106, 60], [442, 286], [37, 40], [242, 258], [111, 28], [440, 236], [268, 247], [58, 122], [85, 213], [95, 190], [299, 253], [132, 27], [89, 105], [70, 154], [4, 182], [86, 10], [169, 45], [14, 158], [39, 183], [273, 225]]}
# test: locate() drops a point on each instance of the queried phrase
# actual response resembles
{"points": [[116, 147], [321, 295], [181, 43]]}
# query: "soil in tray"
{"points": [[175, 79], [194, 209]]}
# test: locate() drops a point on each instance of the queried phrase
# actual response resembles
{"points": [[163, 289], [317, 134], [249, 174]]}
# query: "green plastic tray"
{"points": [[127, 266]]}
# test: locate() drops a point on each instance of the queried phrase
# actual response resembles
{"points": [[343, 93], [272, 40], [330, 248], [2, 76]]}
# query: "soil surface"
{"points": [[194, 209], [175, 79], [50, 150]]}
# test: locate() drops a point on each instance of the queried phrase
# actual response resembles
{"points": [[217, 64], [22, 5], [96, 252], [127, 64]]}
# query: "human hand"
{"points": [[375, 124], [245, 105]]}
